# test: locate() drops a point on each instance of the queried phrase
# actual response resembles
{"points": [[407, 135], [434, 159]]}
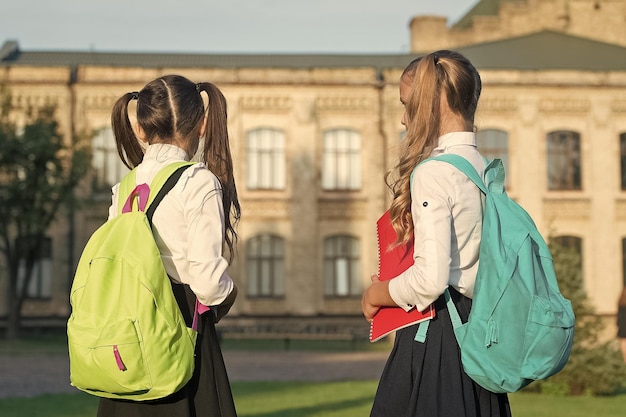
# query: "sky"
{"points": [[219, 26]]}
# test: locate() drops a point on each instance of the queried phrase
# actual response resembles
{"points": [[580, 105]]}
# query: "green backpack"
{"points": [[520, 328], [127, 337]]}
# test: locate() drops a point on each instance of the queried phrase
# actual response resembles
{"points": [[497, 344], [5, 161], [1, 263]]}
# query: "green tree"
{"points": [[595, 367], [38, 174]]}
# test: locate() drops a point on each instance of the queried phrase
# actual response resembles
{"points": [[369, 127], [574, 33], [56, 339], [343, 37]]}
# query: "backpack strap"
{"points": [[164, 181], [127, 186], [495, 172]]}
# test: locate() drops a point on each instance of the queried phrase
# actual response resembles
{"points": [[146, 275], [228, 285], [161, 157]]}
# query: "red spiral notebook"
{"points": [[392, 263]]}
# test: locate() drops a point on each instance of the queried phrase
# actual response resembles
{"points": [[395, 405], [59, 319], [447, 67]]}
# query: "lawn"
{"points": [[289, 399], [326, 399]]}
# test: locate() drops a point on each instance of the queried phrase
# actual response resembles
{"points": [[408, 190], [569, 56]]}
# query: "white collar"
{"points": [[455, 139], [165, 151]]}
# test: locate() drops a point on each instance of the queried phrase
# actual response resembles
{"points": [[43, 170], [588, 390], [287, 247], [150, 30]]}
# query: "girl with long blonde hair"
{"points": [[441, 210]]}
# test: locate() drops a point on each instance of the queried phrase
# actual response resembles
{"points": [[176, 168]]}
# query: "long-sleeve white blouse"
{"points": [[447, 216], [188, 224]]}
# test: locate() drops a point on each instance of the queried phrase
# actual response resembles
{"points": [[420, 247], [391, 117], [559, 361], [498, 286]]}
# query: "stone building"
{"points": [[313, 135]]}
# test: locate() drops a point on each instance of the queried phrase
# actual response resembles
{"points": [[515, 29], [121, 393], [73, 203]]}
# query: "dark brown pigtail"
{"points": [[217, 157], [128, 146]]}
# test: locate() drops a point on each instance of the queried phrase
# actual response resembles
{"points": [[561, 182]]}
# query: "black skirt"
{"points": [[207, 394], [621, 322], [427, 379]]}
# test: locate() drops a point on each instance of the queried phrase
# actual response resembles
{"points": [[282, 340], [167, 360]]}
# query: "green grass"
{"points": [[287, 399], [318, 399], [52, 342], [56, 342]]}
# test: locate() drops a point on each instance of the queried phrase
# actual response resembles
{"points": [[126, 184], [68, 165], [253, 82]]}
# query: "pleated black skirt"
{"points": [[207, 394], [427, 379]]}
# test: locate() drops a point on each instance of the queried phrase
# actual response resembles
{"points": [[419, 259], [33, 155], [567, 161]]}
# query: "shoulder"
{"points": [[197, 184], [199, 175], [433, 173]]}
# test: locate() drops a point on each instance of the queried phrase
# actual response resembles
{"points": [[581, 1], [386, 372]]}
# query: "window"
{"points": [[40, 284], [494, 144], [265, 258], [342, 266], [341, 163], [107, 165], [622, 148], [571, 242], [266, 159], [564, 161]]}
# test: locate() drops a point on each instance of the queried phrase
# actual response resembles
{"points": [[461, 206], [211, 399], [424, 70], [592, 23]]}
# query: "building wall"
{"points": [[304, 103], [304, 214], [601, 20]]}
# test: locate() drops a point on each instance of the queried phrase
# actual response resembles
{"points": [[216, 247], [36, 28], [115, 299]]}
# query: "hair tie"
{"points": [[198, 87], [134, 95], [435, 59]]}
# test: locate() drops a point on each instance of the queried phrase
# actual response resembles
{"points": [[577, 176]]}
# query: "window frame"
{"points": [[569, 158], [342, 267], [266, 162], [111, 170], [490, 149], [271, 262], [341, 160], [40, 285]]}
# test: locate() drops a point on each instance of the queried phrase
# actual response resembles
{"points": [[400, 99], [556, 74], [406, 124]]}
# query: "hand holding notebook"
{"points": [[392, 263]]}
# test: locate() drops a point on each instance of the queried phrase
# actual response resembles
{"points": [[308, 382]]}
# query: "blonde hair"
{"points": [[429, 77]]}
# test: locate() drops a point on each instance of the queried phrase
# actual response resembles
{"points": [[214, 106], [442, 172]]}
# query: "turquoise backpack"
{"points": [[520, 328], [127, 337]]}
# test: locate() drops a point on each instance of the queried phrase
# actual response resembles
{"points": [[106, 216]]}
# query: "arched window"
{"points": [[266, 159], [341, 162], [40, 283], [265, 260], [342, 266], [494, 144], [106, 163], [564, 164]]}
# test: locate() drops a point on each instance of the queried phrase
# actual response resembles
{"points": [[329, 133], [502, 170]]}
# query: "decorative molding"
{"points": [[618, 106], [266, 209], [343, 209], [564, 105], [567, 209], [344, 103], [99, 102], [25, 101], [497, 104], [266, 103]]}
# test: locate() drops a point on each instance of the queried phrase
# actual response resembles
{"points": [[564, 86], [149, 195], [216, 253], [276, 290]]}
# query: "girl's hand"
{"points": [[369, 309]]}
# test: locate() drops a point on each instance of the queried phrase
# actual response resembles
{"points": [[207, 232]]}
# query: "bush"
{"points": [[594, 368]]}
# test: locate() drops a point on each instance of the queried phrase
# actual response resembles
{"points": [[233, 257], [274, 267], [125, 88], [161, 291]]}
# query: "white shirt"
{"points": [[188, 224], [447, 216]]}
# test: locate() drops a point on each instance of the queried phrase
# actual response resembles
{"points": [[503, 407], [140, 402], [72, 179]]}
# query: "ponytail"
{"points": [[430, 77], [128, 146], [217, 156], [423, 111]]}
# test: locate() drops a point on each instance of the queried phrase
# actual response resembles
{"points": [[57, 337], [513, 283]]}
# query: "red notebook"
{"points": [[392, 263]]}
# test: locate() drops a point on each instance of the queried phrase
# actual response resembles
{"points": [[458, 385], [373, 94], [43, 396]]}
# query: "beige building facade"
{"points": [[314, 135]]}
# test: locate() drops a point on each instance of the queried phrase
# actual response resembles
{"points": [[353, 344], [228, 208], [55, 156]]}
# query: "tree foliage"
{"points": [[595, 367], [39, 170]]}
